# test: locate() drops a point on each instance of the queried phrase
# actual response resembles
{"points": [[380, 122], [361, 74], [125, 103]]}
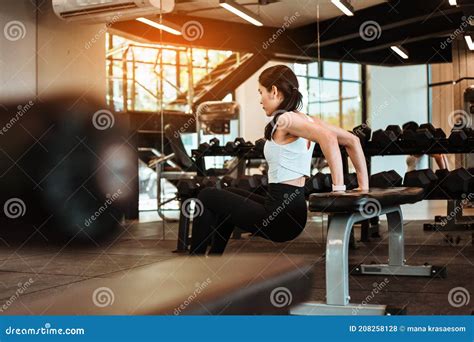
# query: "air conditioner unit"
{"points": [[109, 11]]}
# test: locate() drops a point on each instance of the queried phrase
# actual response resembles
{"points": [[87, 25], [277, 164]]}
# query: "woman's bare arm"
{"points": [[354, 150], [301, 127]]}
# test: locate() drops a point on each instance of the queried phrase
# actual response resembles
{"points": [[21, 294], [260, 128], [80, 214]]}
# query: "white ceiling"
{"points": [[273, 14]]}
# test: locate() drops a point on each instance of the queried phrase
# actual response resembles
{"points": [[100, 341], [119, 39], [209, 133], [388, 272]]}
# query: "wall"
{"points": [[45, 55], [396, 95], [252, 117]]}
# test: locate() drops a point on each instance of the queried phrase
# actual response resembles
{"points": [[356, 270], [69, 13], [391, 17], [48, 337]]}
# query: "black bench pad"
{"points": [[355, 201]]}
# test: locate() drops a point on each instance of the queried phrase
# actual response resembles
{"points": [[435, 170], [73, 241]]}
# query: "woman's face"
{"points": [[270, 100]]}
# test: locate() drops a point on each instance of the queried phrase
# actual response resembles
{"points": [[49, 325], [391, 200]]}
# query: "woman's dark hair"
{"points": [[284, 79]]}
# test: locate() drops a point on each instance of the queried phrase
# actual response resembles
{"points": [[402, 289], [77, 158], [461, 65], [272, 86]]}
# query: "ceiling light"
{"points": [[241, 11], [159, 26], [400, 51], [453, 2], [344, 6]]}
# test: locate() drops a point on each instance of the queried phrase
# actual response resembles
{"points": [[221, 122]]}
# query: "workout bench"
{"points": [[346, 209], [227, 285]]}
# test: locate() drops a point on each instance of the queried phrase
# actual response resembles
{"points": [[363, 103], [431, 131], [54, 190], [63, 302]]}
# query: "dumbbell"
{"points": [[260, 144], [188, 188], [409, 131], [425, 179], [249, 183], [213, 143], [437, 133], [457, 182], [387, 136], [238, 143], [350, 181], [320, 182], [385, 179], [68, 175], [460, 137], [363, 132]]}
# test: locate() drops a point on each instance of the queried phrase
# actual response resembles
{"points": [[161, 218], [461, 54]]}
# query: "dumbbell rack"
{"points": [[372, 149]]}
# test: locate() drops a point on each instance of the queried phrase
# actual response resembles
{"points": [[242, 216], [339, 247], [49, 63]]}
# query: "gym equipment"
{"points": [[425, 179], [260, 144], [214, 142], [237, 145], [350, 181], [249, 183], [386, 179], [457, 182], [346, 209], [437, 133], [460, 137], [363, 132], [67, 170], [217, 281], [320, 182], [384, 137]]}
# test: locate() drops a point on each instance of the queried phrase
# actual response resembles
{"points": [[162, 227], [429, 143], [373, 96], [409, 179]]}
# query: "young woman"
{"points": [[281, 214]]}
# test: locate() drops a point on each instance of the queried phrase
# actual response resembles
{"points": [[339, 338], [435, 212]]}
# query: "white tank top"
{"points": [[288, 161]]}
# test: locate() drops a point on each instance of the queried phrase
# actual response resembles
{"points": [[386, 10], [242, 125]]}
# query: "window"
{"points": [[332, 91], [134, 71]]}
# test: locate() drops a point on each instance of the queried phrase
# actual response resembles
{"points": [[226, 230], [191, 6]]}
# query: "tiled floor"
{"points": [[45, 271]]}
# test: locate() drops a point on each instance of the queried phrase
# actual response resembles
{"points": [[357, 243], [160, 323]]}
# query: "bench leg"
{"points": [[183, 233], [396, 251], [337, 275]]}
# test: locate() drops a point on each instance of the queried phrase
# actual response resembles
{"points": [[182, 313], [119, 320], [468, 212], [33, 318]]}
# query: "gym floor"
{"points": [[48, 270]]}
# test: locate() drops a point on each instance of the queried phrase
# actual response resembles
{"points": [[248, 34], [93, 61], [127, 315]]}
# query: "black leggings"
{"points": [[279, 216]]}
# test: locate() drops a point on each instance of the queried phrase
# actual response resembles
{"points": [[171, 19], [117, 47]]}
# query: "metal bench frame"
{"points": [[337, 265]]}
